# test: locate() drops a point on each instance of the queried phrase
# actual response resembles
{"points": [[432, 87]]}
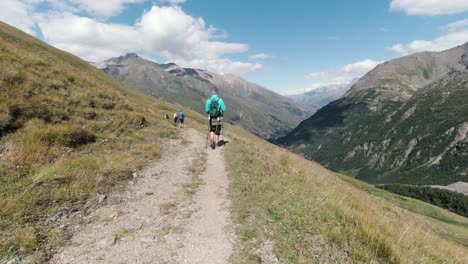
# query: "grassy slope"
{"points": [[346, 136], [262, 111], [311, 215], [67, 132], [449, 225], [307, 212]]}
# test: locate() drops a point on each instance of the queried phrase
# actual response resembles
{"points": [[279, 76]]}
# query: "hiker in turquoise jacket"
{"points": [[215, 109], [181, 119]]}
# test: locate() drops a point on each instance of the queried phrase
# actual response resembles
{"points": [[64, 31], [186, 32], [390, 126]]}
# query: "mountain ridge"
{"points": [[323, 95], [252, 106], [400, 123], [56, 179]]}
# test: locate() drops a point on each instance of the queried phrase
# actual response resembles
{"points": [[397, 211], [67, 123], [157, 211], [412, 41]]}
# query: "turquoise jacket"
{"points": [[215, 96]]}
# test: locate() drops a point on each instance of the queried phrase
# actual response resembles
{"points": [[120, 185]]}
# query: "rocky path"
{"points": [[176, 211]]}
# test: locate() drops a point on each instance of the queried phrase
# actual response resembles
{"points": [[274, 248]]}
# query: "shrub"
{"points": [[89, 115], [454, 202], [108, 106], [14, 78], [139, 122], [63, 136]]}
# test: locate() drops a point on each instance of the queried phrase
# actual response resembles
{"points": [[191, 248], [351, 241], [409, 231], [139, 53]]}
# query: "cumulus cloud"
{"points": [[260, 56], [456, 26], [163, 31], [429, 7], [456, 34], [175, 34], [339, 77], [18, 14], [99, 8], [173, 2], [223, 65], [107, 8], [345, 73], [88, 38]]}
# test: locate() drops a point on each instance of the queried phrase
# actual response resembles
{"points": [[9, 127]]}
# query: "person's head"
{"points": [[215, 90]]}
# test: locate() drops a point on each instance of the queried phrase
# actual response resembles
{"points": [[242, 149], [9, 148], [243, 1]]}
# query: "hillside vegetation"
{"points": [[67, 132], [298, 212], [70, 132], [406, 121], [452, 201]]}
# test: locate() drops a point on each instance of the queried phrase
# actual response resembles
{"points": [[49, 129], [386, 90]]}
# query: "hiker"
{"points": [[181, 119], [176, 119], [166, 116], [215, 109]]}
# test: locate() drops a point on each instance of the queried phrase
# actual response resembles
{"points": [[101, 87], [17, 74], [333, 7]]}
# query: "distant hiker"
{"points": [[176, 119], [181, 119], [215, 109], [166, 116]]}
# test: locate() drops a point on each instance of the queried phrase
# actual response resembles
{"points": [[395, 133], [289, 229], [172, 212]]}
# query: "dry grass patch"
{"points": [[168, 208], [196, 168], [67, 133], [122, 232], [312, 216]]}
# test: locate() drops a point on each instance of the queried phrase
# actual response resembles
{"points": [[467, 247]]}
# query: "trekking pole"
{"points": [[222, 129], [208, 134]]}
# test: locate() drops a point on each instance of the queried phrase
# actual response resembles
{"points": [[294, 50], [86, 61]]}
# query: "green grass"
{"points": [[67, 133], [312, 216], [443, 222]]}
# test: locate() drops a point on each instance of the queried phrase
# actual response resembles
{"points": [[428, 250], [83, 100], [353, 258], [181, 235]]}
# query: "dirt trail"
{"points": [[168, 215]]}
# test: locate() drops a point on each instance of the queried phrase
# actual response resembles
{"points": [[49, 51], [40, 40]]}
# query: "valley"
{"points": [[92, 171]]}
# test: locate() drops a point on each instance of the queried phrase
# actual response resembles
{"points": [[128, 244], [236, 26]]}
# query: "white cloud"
{"points": [[345, 73], [335, 78], [173, 2], [107, 8], [359, 68], [87, 38], [456, 26], [18, 14], [170, 31], [99, 8], [222, 65], [260, 56], [429, 7], [457, 34], [314, 86], [163, 31], [339, 77]]}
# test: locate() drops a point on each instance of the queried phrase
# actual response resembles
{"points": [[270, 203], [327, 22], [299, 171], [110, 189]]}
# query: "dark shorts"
{"points": [[215, 127], [181, 121]]}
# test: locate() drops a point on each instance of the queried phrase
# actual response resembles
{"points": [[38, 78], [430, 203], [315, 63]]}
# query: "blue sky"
{"points": [[286, 46]]}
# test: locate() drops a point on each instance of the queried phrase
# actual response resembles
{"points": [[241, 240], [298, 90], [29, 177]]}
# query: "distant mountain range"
{"points": [[251, 106], [323, 95], [406, 121]]}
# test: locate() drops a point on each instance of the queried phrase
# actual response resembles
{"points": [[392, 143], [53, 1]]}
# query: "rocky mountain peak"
{"points": [[131, 56]]}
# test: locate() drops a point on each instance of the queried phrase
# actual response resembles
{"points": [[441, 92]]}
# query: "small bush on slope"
{"points": [[310, 215], [452, 201]]}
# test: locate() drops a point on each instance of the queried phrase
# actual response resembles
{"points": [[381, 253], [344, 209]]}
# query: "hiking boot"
{"points": [[213, 145]]}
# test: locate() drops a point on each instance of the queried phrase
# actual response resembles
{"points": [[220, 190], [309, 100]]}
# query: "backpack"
{"points": [[215, 108], [181, 115]]}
